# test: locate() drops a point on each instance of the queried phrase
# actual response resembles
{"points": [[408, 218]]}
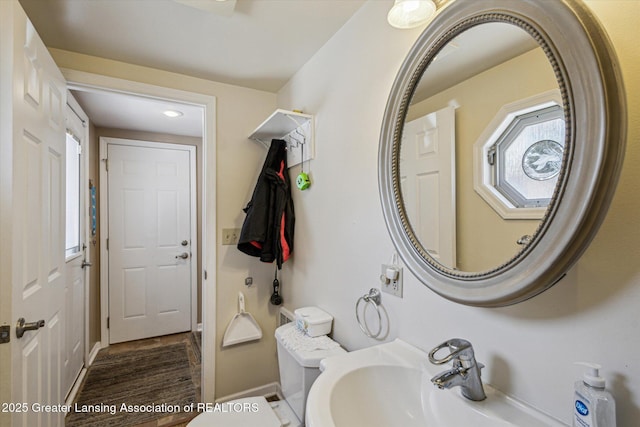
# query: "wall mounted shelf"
{"points": [[295, 128]]}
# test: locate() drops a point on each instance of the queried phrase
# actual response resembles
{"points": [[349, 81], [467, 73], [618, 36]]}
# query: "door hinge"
{"points": [[108, 322], [107, 243], [106, 164], [205, 274]]}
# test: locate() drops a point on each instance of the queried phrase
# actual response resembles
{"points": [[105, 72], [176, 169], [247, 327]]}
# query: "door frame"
{"points": [[104, 221], [87, 252], [81, 80]]}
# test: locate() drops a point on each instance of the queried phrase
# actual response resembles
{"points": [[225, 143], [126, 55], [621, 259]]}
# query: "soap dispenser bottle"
{"points": [[593, 406]]}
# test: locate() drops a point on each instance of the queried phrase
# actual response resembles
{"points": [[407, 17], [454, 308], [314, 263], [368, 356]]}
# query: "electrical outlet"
{"points": [[394, 287], [230, 236]]}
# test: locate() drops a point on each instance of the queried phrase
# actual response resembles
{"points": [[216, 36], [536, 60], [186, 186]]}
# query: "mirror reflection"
{"points": [[481, 147]]}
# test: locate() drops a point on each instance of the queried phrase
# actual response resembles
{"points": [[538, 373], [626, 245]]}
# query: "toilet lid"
{"points": [[247, 412]]}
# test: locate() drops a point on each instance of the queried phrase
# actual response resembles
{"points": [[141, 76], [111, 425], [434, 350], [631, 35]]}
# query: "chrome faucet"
{"points": [[465, 372]]}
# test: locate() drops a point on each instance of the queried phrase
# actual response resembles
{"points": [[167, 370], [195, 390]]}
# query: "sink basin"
{"points": [[389, 385], [356, 391]]}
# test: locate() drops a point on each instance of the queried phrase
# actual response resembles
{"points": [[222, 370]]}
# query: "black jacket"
{"points": [[268, 228]]}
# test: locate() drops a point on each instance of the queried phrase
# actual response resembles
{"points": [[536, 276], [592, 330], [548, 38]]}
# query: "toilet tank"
{"points": [[299, 361]]}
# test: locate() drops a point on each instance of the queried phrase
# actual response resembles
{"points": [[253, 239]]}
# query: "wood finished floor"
{"points": [[176, 420]]}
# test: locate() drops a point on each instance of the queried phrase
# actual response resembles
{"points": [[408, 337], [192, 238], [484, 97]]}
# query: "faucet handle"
{"points": [[457, 346]]}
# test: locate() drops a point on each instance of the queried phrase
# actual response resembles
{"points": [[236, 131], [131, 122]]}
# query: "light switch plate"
{"points": [[230, 236]]}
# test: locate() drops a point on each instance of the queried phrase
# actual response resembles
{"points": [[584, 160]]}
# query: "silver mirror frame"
{"points": [[593, 95]]}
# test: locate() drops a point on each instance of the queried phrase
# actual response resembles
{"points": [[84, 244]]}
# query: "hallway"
{"points": [[145, 383]]}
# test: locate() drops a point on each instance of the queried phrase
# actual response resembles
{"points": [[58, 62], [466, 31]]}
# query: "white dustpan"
{"points": [[242, 328]]}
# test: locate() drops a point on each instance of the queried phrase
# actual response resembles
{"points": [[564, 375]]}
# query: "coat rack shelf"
{"points": [[294, 127]]}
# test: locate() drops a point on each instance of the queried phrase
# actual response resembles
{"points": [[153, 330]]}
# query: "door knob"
{"points": [[85, 263], [22, 326], [183, 255]]}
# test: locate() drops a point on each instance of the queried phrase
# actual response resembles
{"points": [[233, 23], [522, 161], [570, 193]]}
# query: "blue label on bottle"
{"points": [[582, 408]]}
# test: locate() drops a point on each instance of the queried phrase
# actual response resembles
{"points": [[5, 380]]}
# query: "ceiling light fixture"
{"points": [[410, 13], [173, 113]]}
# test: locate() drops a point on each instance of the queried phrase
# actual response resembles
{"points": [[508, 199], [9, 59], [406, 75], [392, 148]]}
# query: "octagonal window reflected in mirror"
{"points": [[527, 157]]}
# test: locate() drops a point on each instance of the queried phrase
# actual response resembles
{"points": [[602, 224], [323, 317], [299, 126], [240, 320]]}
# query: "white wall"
{"points": [[341, 237]]}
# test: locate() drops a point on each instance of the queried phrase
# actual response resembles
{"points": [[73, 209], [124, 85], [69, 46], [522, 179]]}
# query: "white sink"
{"points": [[389, 385]]}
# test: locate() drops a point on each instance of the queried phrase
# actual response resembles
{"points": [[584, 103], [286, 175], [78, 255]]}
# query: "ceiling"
{"points": [[258, 44], [122, 111], [261, 45], [472, 52]]}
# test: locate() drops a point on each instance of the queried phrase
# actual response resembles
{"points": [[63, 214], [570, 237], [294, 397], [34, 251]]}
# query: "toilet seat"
{"points": [[259, 414]]}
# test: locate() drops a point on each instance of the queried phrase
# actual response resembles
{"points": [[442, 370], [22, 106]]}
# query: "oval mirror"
{"points": [[500, 147]]}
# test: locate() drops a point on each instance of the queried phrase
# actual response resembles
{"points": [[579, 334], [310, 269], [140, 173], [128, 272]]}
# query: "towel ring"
{"points": [[374, 298]]}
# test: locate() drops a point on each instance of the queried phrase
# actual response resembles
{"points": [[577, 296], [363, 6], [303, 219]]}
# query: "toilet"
{"points": [[299, 357]]}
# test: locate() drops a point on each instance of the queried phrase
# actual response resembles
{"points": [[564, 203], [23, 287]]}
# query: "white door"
{"points": [[32, 210], [75, 241], [150, 221], [427, 167]]}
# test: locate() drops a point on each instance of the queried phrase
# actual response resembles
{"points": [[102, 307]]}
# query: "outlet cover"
{"points": [[230, 236], [394, 287]]}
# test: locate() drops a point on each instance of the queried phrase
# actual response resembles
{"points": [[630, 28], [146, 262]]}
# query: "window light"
{"points": [[173, 113]]}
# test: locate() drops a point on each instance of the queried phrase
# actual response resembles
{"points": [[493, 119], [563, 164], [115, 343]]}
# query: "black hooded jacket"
{"points": [[268, 228]]}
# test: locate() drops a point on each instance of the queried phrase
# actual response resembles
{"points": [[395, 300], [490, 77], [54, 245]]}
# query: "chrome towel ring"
{"points": [[372, 298]]}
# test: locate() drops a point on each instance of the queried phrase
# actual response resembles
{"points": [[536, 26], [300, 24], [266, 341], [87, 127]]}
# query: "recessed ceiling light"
{"points": [[173, 113]]}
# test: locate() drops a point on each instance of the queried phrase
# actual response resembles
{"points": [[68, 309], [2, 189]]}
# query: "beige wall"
{"points": [[484, 239], [94, 244], [529, 348], [239, 111]]}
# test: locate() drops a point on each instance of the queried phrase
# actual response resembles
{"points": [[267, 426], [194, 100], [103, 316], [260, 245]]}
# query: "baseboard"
{"points": [[93, 353], [76, 387], [265, 390]]}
